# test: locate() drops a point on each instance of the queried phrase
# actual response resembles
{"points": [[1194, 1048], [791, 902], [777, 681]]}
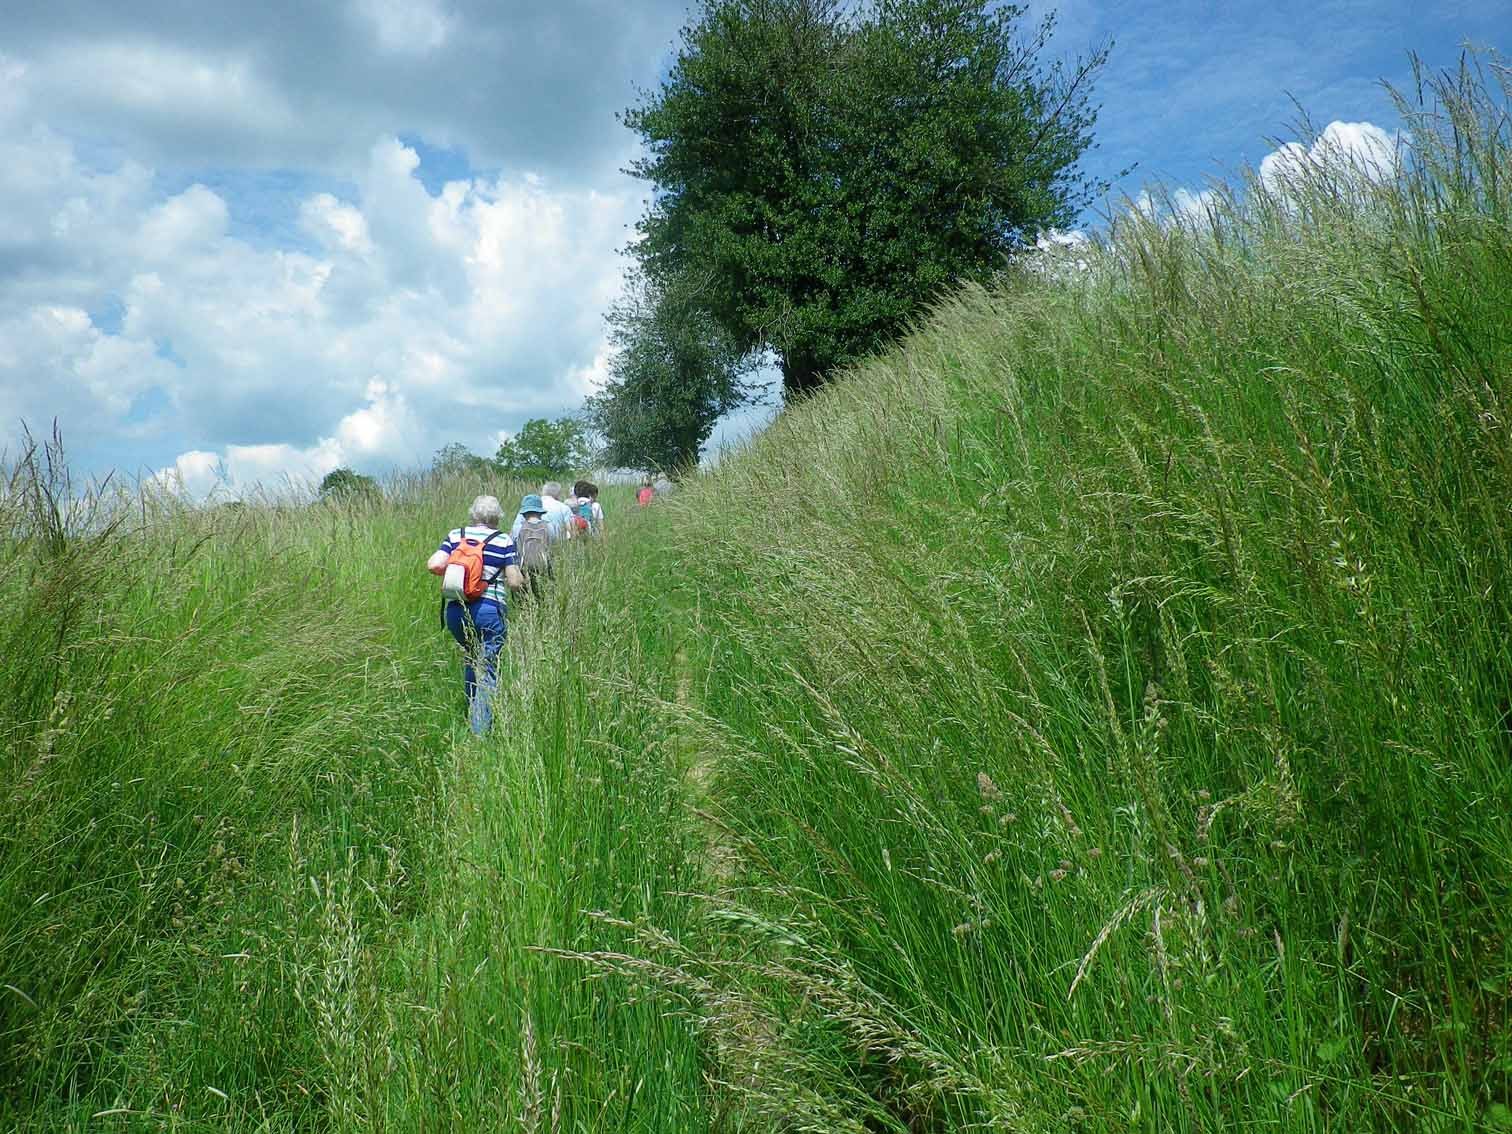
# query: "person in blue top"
{"points": [[481, 626]]}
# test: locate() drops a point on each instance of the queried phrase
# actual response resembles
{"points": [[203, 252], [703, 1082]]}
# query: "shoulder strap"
{"points": [[486, 540], [498, 571]]}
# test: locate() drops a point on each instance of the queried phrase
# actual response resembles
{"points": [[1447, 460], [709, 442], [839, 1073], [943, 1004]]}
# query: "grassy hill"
{"points": [[1091, 716]]}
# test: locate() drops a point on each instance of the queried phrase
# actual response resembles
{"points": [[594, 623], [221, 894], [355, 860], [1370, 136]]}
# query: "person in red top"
{"points": [[646, 493]]}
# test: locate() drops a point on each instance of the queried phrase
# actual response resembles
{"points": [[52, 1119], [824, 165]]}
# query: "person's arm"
{"points": [[436, 564], [510, 571]]}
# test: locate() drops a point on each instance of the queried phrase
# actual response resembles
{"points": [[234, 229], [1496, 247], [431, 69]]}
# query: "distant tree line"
{"points": [[344, 485], [821, 170], [540, 450]]}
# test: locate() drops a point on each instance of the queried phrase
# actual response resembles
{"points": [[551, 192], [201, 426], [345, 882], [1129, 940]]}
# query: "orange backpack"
{"points": [[463, 579]]}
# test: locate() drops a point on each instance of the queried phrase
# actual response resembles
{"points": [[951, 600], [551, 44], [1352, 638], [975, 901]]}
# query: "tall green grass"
{"points": [[213, 720], [251, 839], [1104, 700], [1091, 716]]}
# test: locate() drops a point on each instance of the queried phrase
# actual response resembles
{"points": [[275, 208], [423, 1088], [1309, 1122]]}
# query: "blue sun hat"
{"points": [[531, 502]]}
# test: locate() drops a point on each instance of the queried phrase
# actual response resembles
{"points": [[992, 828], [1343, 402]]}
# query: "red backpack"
{"points": [[463, 580]]}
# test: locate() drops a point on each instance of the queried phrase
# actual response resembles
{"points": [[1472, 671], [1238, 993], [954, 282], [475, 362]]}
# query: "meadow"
{"points": [[1094, 714]]}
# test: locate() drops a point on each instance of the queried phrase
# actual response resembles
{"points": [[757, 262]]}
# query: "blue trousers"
{"points": [[480, 629]]}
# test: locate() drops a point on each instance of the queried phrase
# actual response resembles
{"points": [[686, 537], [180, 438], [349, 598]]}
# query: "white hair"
{"points": [[485, 510], [552, 488]]}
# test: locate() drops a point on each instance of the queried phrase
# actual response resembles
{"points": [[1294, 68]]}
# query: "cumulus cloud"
{"points": [[1060, 254], [1194, 206], [407, 27], [286, 84], [409, 320], [337, 226], [380, 430], [195, 474], [282, 235], [1346, 153], [1354, 150]]}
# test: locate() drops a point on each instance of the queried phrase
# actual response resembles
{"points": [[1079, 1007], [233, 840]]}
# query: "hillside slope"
{"points": [[1101, 703], [1092, 715]]}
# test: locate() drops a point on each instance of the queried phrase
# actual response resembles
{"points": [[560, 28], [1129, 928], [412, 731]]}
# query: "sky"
{"points": [[247, 243]]}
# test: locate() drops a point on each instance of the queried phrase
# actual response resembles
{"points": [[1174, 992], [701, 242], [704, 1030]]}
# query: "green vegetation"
{"points": [[540, 450], [456, 461], [1091, 716], [824, 169], [675, 374], [345, 484], [544, 449]]}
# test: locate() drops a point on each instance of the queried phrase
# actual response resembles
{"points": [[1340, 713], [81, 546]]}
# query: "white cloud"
{"points": [[413, 320], [1194, 207], [183, 224], [337, 226], [1190, 207], [1053, 238], [291, 85], [1060, 254], [380, 428], [1359, 150], [164, 88], [45, 349], [406, 27], [1347, 154], [592, 378]]}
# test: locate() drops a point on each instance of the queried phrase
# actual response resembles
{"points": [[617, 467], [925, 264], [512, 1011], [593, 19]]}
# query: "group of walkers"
{"points": [[481, 563]]}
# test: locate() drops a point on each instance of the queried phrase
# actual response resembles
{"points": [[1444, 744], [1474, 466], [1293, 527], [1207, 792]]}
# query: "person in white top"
{"points": [[558, 515]]}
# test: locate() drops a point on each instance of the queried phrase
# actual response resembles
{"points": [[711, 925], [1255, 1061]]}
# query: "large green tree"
{"points": [[457, 460], [545, 448], [675, 373], [827, 167], [346, 485]]}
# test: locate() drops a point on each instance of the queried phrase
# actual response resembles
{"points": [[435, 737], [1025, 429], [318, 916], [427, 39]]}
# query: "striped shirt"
{"points": [[497, 555]]}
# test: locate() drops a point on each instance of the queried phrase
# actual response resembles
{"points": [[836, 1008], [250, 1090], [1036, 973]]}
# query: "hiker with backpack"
{"points": [[587, 515], [478, 565], [533, 536], [558, 515]]}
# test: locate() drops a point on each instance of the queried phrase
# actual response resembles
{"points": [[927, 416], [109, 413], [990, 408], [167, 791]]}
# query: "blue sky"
{"points": [[1194, 90], [242, 242]]}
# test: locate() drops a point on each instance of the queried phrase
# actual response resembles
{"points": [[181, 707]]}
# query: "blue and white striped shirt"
{"points": [[497, 555]]}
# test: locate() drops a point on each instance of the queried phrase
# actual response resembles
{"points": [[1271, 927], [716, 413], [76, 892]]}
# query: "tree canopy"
{"points": [[675, 373], [344, 484], [456, 459], [544, 448], [824, 169]]}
